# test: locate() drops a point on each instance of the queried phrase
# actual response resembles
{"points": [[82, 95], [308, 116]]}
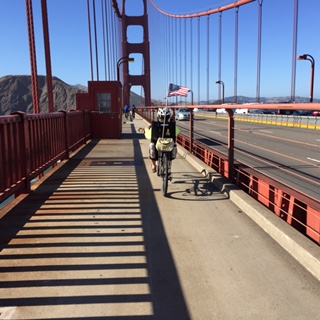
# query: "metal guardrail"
{"points": [[31, 143], [298, 210], [295, 121]]}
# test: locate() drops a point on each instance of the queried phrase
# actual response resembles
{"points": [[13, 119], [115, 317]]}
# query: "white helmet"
{"points": [[164, 114]]}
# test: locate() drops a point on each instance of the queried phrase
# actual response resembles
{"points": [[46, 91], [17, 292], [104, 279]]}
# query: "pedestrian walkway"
{"points": [[97, 240]]}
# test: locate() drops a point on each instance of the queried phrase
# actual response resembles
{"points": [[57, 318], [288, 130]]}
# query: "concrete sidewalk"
{"points": [[97, 240]]}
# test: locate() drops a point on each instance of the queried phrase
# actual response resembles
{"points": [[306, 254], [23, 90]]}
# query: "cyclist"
{"points": [[126, 111], [163, 127], [133, 110]]}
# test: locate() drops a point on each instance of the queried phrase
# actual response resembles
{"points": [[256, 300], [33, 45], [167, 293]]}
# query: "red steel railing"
{"points": [[31, 143], [298, 210]]}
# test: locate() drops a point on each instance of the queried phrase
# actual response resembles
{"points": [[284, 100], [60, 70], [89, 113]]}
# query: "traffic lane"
{"points": [[294, 149], [302, 135], [283, 162], [301, 177]]}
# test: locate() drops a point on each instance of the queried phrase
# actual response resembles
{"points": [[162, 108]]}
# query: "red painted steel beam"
{"points": [[90, 39], [47, 53], [116, 8], [143, 48], [32, 47], [202, 14], [230, 144]]}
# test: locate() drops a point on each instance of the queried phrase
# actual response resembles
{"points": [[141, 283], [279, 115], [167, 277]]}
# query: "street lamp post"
{"points": [[121, 60], [222, 83], [311, 59], [126, 90]]}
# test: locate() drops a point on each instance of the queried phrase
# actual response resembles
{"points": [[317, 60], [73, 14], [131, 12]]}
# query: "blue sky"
{"points": [[70, 45]]}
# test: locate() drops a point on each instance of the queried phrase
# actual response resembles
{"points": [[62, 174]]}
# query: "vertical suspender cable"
{"points": [[163, 51], [259, 51], [180, 50], [95, 37], [294, 50], [236, 46], [114, 45], [173, 43], [113, 41], [172, 47], [167, 52], [220, 53], [208, 55], [107, 39], [191, 55], [167, 61], [90, 40], [177, 53], [47, 54], [104, 39], [199, 60], [185, 51], [33, 59]]}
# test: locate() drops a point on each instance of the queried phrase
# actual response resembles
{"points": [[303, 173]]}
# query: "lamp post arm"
{"points": [[311, 59]]}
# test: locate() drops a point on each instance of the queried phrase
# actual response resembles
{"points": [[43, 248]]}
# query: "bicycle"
{"points": [[165, 147]]}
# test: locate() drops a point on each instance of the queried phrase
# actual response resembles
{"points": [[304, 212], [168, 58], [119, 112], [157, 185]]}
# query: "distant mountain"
{"points": [[16, 94]]}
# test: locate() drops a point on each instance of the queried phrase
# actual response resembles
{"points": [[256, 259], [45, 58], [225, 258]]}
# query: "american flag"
{"points": [[175, 90]]}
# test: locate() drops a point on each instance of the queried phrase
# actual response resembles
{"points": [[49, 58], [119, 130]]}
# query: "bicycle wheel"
{"points": [[159, 166], [165, 174]]}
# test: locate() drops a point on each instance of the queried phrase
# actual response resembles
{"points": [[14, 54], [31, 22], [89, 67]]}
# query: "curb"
{"points": [[297, 245]]}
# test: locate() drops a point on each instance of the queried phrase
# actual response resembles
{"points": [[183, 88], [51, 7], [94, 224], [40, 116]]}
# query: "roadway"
{"points": [[97, 240], [289, 155]]}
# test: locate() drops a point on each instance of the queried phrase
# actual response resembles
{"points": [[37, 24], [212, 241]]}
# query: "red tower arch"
{"points": [[141, 48]]}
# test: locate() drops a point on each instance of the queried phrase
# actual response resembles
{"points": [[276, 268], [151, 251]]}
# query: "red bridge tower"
{"points": [[142, 48]]}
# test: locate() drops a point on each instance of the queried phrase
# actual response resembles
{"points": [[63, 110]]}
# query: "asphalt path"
{"points": [[289, 155]]}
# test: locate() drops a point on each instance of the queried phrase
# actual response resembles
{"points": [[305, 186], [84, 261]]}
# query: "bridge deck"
{"points": [[97, 240]]}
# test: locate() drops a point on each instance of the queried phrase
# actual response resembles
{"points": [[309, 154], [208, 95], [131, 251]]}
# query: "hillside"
{"points": [[16, 94]]}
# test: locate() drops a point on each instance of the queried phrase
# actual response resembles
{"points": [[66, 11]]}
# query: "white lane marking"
{"points": [[317, 139], [216, 132], [314, 160], [266, 131]]}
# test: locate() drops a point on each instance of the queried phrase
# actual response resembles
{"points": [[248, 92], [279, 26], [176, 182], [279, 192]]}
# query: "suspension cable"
{"points": [[95, 37], [104, 39], [90, 40], [198, 60], [208, 55], [236, 47], [202, 14], [259, 50]]}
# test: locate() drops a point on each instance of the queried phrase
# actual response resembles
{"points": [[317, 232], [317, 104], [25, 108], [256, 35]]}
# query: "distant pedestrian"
{"points": [[126, 111], [133, 109]]}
